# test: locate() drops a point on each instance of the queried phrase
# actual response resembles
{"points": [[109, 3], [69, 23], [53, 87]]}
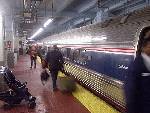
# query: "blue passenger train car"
{"points": [[112, 62], [107, 48], [98, 55]]}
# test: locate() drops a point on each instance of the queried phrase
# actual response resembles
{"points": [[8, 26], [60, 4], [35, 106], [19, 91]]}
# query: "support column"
{"points": [[9, 41], [1, 41]]}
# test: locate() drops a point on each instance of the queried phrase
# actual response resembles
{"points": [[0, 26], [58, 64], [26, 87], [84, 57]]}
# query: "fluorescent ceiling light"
{"points": [[48, 22], [31, 40], [71, 41], [99, 38], [39, 43], [36, 33]]}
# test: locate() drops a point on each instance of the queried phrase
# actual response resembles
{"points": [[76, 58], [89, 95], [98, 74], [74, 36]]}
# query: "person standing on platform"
{"points": [[55, 61], [137, 84], [33, 56]]}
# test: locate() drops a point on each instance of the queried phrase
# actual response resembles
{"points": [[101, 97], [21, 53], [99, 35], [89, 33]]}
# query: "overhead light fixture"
{"points": [[99, 38], [36, 33], [39, 43], [41, 29], [31, 40], [48, 22]]}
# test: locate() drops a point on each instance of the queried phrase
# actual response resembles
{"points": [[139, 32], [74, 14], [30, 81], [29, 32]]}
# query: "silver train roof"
{"points": [[122, 31]]}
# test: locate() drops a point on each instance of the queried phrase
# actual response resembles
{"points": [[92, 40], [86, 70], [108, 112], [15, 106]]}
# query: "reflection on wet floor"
{"points": [[47, 100]]}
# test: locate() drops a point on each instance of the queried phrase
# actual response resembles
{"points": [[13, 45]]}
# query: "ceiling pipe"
{"points": [[130, 5], [94, 3], [117, 5], [64, 5]]}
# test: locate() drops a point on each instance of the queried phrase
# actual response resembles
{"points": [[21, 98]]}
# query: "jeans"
{"points": [[33, 60], [54, 74]]}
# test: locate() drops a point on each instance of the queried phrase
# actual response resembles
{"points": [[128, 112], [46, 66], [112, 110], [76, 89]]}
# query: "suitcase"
{"points": [[67, 84]]}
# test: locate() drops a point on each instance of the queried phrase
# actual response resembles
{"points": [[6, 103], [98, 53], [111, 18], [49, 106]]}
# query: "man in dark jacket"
{"points": [[55, 62], [137, 84]]}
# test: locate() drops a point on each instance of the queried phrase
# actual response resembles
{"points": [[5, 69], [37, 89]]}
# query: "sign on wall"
{"points": [[9, 44]]}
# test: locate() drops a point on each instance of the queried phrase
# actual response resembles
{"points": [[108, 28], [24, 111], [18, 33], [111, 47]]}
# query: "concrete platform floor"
{"points": [[47, 100]]}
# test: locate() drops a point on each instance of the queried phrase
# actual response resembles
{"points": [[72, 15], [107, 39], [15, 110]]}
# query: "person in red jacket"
{"points": [[33, 56]]}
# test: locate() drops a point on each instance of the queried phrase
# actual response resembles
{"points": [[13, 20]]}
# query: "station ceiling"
{"points": [[28, 16]]}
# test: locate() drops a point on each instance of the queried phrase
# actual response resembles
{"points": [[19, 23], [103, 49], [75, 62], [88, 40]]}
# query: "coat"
{"points": [[137, 87], [54, 59]]}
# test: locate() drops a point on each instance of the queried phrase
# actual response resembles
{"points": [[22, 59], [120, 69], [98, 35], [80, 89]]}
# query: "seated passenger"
{"points": [[137, 85]]}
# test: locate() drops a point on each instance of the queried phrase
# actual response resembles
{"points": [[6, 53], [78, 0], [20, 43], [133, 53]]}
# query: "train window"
{"points": [[81, 56], [145, 33], [68, 50], [63, 51], [76, 54], [89, 57]]}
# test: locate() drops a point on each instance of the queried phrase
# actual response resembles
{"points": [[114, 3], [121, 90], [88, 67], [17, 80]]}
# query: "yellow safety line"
{"points": [[93, 103], [39, 60]]}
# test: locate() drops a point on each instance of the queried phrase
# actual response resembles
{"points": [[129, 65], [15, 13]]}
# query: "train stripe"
{"points": [[123, 50]]}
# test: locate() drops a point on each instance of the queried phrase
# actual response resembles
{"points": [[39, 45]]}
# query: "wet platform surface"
{"points": [[47, 100]]}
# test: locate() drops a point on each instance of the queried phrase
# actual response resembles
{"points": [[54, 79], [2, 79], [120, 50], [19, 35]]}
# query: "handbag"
{"points": [[45, 76], [44, 64]]}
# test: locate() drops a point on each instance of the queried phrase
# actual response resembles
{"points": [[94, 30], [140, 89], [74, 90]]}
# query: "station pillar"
{"points": [[1, 41]]}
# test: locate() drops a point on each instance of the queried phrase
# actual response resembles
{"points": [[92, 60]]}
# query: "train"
{"points": [[107, 47], [98, 55]]}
